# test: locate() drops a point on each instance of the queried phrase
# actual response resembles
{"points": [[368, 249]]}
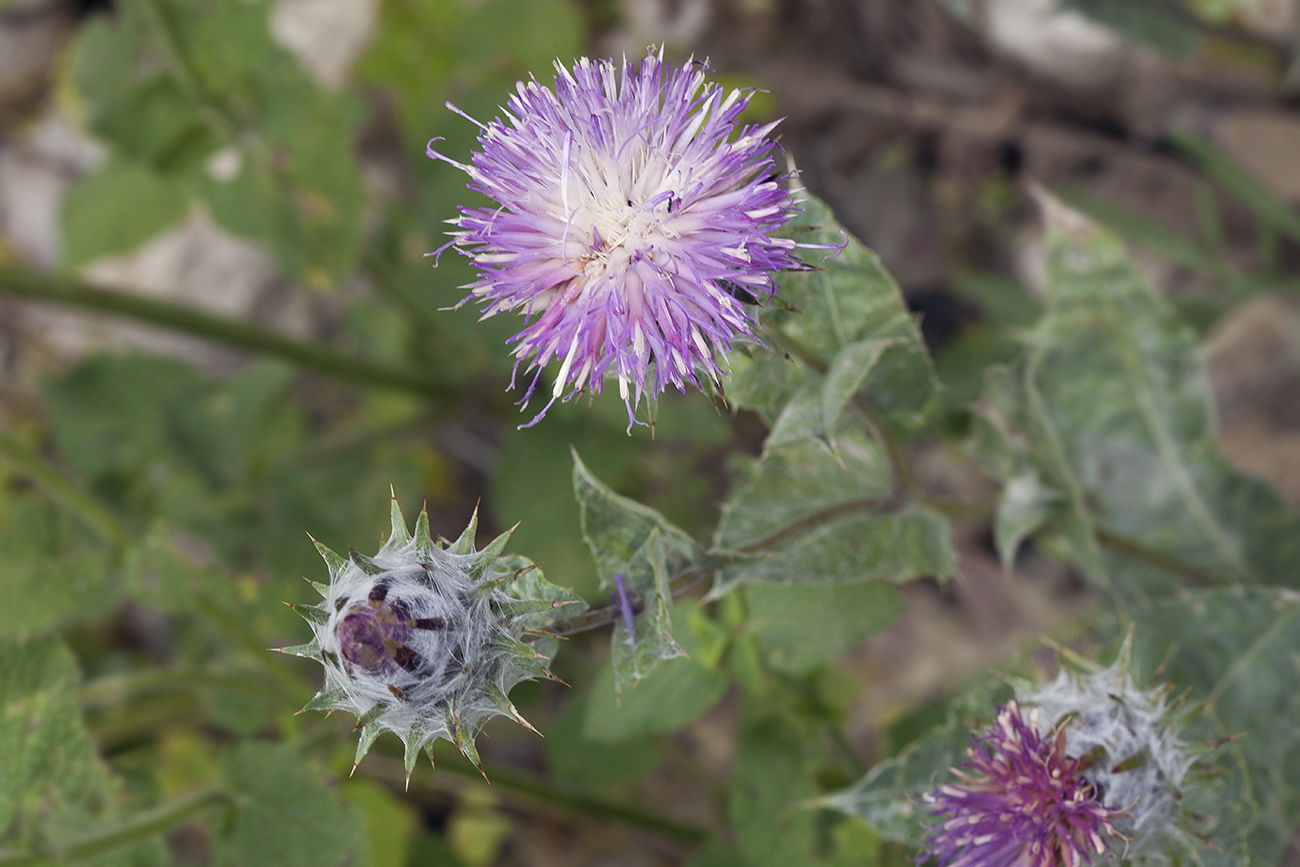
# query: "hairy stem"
{"points": [[71, 292], [39, 470]]}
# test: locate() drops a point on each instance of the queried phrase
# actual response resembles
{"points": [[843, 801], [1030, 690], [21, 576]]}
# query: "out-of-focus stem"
{"points": [[71, 292], [134, 829], [35, 467]]}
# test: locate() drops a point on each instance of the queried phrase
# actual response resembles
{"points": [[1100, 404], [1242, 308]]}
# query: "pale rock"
{"points": [[326, 36], [37, 168], [1059, 44]]}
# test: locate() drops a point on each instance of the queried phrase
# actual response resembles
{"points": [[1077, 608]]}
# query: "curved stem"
{"points": [[39, 470], [686, 579], [590, 806], [71, 292]]}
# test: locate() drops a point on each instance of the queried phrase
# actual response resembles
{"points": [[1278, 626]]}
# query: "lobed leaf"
{"points": [[632, 540], [858, 533], [1107, 423]]}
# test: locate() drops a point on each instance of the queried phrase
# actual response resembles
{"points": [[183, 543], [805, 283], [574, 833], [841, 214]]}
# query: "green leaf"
{"points": [[595, 765], [820, 520], [678, 692], [221, 113], [117, 209], [1111, 408], [803, 626], [390, 823], [845, 375], [773, 782], [847, 299], [888, 798], [632, 540], [1239, 650], [1014, 437], [283, 815], [55, 571], [53, 787]]}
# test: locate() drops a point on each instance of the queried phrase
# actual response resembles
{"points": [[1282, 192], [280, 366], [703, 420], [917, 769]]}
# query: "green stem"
{"points": [[586, 805], [686, 579], [71, 292], [1137, 551], [31, 464], [134, 829], [452, 763], [117, 689], [146, 824], [1107, 538]]}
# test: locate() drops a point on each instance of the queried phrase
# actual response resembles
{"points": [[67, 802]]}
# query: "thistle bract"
{"points": [[635, 221], [425, 639]]}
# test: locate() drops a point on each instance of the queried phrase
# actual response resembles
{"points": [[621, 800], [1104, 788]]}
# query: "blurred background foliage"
{"points": [[251, 177]]}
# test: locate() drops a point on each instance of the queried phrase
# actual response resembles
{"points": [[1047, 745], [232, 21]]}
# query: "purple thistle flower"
{"points": [[1019, 802], [635, 222]]}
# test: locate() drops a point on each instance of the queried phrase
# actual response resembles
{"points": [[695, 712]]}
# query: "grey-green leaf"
{"points": [[1112, 411], [799, 514], [632, 540], [1239, 649], [845, 299]]}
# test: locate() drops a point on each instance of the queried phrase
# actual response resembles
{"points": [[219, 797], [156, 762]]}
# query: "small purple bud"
{"points": [[623, 604]]}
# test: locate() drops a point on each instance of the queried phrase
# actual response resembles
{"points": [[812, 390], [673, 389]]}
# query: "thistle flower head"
{"points": [[635, 220], [1019, 801], [1134, 758], [1085, 765], [425, 639]]}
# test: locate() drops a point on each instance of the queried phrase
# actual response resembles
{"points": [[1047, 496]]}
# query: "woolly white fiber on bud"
{"points": [[424, 640]]}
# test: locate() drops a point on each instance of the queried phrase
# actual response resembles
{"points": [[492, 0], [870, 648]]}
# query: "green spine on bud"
{"points": [[426, 639]]}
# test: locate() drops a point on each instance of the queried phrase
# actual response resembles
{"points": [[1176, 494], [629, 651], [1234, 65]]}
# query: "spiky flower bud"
{"points": [[425, 639]]}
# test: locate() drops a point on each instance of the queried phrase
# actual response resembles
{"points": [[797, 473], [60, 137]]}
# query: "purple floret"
{"points": [[1018, 802], [634, 214]]}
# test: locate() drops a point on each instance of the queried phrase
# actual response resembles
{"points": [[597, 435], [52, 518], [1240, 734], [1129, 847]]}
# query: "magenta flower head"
{"points": [[1019, 801], [635, 221]]}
